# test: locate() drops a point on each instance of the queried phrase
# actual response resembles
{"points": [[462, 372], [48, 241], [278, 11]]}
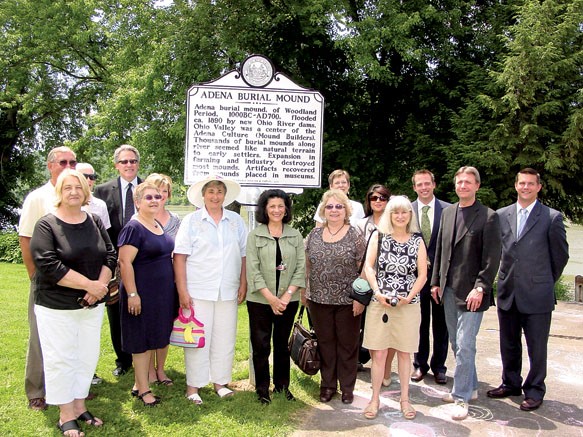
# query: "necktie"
{"points": [[129, 206], [521, 221], [425, 225]]}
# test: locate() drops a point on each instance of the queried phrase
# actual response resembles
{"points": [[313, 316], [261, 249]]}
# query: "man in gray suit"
{"points": [[534, 254], [428, 209], [466, 261]]}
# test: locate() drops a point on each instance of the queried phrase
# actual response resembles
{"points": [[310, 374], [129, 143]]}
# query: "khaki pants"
{"points": [[34, 377]]}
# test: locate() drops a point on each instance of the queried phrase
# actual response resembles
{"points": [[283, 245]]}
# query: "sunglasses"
{"points": [[149, 197], [83, 303], [90, 176], [337, 206], [63, 163], [126, 161], [378, 199]]}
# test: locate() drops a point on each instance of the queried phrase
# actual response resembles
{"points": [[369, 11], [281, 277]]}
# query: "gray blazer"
{"points": [[471, 260], [533, 263]]}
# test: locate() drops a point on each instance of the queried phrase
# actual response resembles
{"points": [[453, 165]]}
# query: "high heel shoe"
{"points": [[371, 410], [155, 402], [408, 411]]}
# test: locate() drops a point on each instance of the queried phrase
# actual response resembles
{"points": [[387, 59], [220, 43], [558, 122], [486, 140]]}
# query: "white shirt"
{"points": [[124, 188], [37, 204], [357, 213], [214, 254], [430, 211], [528, 209], [98, 207]]}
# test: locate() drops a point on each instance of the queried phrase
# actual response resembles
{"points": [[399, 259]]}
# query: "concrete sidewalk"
{"points": [[560, 415]]}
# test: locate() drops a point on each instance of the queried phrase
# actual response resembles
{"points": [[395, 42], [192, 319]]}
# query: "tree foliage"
{"points": [[407, 84]]}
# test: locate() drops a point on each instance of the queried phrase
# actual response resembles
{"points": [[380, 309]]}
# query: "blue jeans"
{"points": [[463, 327]]}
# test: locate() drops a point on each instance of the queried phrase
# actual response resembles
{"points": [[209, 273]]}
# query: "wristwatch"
{"points": [[479, 289], [132, 294], [290, 292]]}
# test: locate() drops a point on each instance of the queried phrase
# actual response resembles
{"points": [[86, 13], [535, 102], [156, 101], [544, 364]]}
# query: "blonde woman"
{"points": [[394, 315], [333, 255]]}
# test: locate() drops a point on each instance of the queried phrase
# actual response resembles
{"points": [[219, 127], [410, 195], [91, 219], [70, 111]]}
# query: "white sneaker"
{"points": [[450, 400], [460, 410]]}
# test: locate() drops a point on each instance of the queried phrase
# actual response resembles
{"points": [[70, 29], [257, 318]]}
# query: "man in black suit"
{"points": [[428, 209], [534, 254], [118, 196], [467, 257]]}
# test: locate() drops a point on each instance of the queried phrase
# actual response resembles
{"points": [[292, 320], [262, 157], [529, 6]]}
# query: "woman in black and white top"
{"points": [[74, 261]]}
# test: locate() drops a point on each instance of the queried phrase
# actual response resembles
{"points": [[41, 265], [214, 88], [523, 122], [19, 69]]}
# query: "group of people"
{"points": [[427, 262]]}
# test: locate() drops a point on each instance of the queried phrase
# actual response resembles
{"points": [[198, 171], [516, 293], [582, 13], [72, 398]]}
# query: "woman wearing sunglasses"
{"points": [[377, 198], [74, 261], [333, 255], [147, 291]]}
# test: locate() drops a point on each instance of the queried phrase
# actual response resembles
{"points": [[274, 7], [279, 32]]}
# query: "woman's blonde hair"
{"points": [[397, 203], [139, 192], [341, 197], [61, 180], [160, 179]]}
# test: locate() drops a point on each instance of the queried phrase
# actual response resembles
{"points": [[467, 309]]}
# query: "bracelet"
{"points": [[132, 294]]}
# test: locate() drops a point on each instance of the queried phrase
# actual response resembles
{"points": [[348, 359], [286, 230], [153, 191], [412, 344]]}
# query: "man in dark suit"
{"points": [[428, 212], [534, 254], [466, 261], [118, 196]]}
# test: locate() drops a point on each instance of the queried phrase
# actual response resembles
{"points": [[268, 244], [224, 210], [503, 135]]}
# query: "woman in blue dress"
{"points": [[147, 291]]}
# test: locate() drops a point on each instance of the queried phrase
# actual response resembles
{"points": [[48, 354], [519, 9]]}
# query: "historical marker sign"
{"points": [[255, 127]]}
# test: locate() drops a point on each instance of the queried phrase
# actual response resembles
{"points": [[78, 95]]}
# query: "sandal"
{"points": [[225, 392], [155, 402], [371, 410], [90, 419], [167, 382], [70, 425], [409, 412], [195, 399]]}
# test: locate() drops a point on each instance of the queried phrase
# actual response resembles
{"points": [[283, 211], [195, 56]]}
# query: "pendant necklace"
{"points": [[334, 233]]}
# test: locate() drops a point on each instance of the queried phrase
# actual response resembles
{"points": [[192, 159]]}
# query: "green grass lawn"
{"points": [[240, 415]]}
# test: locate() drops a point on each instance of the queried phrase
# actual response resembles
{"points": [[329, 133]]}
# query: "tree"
{"points": [[50, 72], [530, 112]]}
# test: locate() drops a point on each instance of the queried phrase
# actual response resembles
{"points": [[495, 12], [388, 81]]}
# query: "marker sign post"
{"points": [[255, 127]]}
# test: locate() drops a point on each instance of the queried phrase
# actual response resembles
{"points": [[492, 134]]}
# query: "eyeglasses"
{"points": [[337, 206], [125, 161], [90, 176], [378, 199], [149, 197], [63, 163]]}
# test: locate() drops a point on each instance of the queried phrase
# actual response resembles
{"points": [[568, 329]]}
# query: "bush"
{"points": [[10, 248]]}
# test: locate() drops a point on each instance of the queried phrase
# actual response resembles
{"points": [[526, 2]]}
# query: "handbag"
{"points": [[303, 346], [113, 287], [361, 291], [187, 331]]}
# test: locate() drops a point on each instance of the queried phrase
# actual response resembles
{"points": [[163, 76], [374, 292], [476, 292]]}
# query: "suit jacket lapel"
{"points": [[511, 217], [436, 220], [117, 199], [531, 220]]}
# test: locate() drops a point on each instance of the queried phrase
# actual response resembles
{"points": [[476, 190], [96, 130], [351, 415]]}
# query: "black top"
{"points": [[57, 247]]}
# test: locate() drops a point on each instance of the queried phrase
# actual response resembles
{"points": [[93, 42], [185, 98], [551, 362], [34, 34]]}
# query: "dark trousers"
{"points": [[431, 313], [123, 359], [338, 333], [262, 323], [536, 329]]}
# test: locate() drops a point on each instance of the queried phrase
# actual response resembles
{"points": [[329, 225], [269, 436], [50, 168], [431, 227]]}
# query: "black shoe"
{"points": [[119, 371], [288, 394], [155, 402], [326, 394], [347, 398], [503, 392], [418, 375], [263, 397], [440, 378], [530, 404]]}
